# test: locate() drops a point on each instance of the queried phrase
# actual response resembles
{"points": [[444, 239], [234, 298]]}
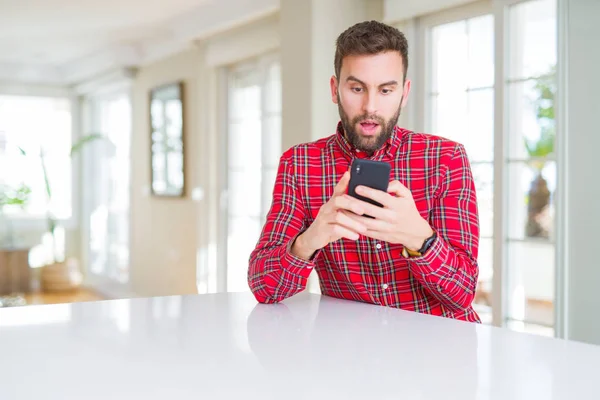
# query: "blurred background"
{"points": [[139, 141]]}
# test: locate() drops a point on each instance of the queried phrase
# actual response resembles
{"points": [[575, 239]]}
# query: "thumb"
{"points": [[398, 189], [342, 185]]}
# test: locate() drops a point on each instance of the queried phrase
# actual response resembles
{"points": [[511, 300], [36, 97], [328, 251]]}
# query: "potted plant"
{"points": [[538, 198], [59, 274]]}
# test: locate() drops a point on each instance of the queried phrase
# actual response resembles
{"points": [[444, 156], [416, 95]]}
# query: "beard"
{"points": [[369, 144]]}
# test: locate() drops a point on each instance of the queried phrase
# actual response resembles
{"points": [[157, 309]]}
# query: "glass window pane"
{"points": [[480, 125], [273, 89], [485, 261], [481, 51], [269, 176], [449, 116], [60, 185], [272, 141], [245, 192], [243, 235], [109, 196], [532, 40], [462, 109], [531, 200], [254, 150], [531, 177], [450, 55], [531, 125], [245, 143], [531, 282], [244, 95], [483, 174], [49, 133]]}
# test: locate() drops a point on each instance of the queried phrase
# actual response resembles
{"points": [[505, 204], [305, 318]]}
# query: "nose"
{"points": [[370, 106]]}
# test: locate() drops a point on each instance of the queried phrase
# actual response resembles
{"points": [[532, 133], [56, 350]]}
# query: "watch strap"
{"points": [[406, 252]]}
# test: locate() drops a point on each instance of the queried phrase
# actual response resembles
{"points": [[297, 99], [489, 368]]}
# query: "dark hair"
{"points": [[367, 38]]}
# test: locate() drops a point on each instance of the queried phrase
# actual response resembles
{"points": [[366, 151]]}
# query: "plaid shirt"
{"points": [[435, 170]]}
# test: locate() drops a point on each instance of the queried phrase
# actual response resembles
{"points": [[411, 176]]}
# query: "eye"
{"points": [[356, 89], [386, 91]]}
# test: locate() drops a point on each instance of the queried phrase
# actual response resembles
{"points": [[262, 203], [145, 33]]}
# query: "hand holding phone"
{"points": [[373, 174], [331, 223]]}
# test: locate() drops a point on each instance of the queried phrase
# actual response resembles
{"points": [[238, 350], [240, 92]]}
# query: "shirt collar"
{"points": [[388, 149]]}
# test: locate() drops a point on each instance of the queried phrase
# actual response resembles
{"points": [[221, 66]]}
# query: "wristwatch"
{"points": [[417, 253]]}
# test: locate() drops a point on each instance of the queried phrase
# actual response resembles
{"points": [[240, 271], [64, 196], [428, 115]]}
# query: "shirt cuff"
{"points": [[296, 265], [433, 259]]}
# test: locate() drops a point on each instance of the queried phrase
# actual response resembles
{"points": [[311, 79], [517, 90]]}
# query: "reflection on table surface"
{"points": [[227, 345]]}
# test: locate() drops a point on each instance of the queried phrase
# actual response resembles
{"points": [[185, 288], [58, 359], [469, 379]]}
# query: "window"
{"points": [[461, 104], [253, 152], [108, 198], [39, 126], [512, 159], [530, 165]]}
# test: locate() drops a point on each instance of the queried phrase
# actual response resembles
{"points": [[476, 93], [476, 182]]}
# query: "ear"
{"points": [[405, 92], [333, 83]]}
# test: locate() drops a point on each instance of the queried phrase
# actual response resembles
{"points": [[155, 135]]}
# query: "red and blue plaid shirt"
{"points": [[440, 282]]}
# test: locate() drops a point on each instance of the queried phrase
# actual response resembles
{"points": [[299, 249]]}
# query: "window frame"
{"points": [[261, 62], [87, 96], [499, 9]]}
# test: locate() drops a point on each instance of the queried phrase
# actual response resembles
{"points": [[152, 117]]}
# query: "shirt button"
{"points": [[384, 286], [378, 246]]}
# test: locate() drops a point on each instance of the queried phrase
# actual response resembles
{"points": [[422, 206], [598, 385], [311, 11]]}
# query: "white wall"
{"points": [[582, 184], [308, 33], [163, 230]]}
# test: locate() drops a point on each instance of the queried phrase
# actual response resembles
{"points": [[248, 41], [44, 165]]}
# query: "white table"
{"points": [[227, 346]]}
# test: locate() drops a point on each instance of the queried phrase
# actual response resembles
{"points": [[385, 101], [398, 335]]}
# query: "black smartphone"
{"points": [[374, 174]]}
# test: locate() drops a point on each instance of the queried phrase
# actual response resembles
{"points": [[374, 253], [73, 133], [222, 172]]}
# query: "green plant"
{"points": [[52, 221], [14, 196], [544, 103], [10, 196]]}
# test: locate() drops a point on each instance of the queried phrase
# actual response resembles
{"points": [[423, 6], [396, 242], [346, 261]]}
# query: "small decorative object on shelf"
{"points": [[15, 274], [61, 276]]}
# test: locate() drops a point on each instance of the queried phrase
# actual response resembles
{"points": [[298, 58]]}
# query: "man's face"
{"points": [[370, 95]]}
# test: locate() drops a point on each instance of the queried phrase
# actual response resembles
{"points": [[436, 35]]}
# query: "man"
{"points": [[419, 251]]}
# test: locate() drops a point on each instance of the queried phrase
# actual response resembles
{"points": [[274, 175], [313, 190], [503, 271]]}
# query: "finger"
{"points": [[361, 207], [398, 189], [369, 223], [342, 184], [343, 218], [342, 232], [379, 213], [349, 203], [378, 195], [378, 230]]}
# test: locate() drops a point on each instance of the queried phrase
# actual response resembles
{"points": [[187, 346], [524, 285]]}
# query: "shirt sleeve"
{"points": [[274, 273], [449, 268]]}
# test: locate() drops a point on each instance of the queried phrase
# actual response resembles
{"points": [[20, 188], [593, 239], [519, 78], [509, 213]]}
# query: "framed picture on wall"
{"points": [[167, 128]]}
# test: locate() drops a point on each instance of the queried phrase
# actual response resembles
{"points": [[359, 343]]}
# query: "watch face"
{"points": [[428, 242]]}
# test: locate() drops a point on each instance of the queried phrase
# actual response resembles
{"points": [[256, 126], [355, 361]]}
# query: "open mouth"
{"points": [[369, 127]]}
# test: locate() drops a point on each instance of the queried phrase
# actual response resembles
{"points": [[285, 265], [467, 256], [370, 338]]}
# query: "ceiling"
{"points": [[66, 41]]}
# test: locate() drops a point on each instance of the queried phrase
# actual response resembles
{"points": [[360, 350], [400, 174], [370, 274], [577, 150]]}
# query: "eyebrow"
{"points": [[355, 79]]}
